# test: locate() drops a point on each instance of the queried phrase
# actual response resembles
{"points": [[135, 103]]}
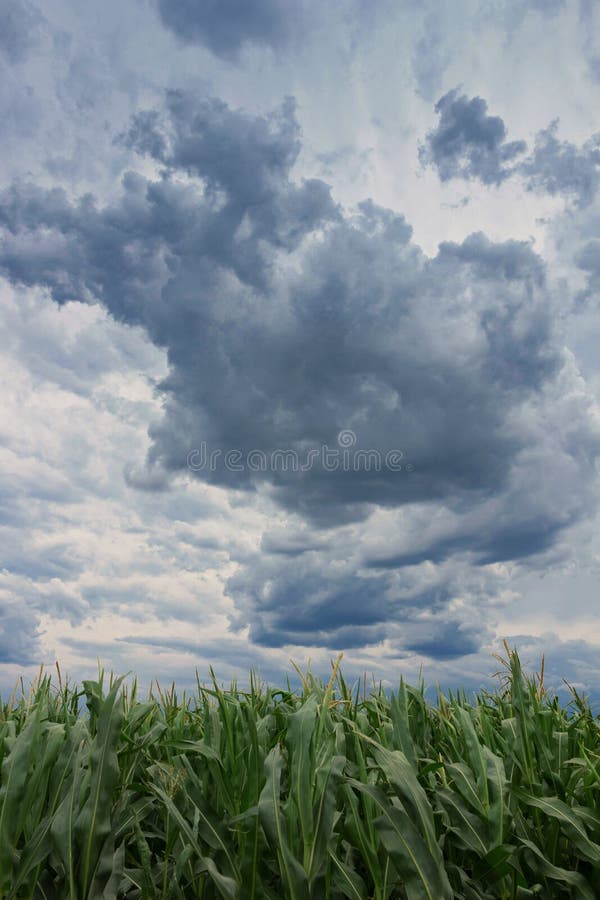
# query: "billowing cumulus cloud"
{"points": [[469, 143], [560, 167], [294, 328]]}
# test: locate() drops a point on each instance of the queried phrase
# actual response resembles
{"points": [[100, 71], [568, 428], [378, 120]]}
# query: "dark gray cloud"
{"points": [[320, 599], [468, 143], [286, 321], [447, 640], [514, 542], [560, 167], [226, 26], [290, 542], [264, 359], [19, 636], [297, 603], [588, 259]]}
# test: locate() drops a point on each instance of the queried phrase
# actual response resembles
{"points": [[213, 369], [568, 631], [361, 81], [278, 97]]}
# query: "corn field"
{"points": [[329, 791]]}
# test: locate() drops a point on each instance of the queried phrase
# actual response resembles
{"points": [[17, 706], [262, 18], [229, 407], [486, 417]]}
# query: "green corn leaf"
{"points": [[326, 813], [361, 832], [401, 722], [423, 874], [465, 784], [208, 827], [301, 726], [545, 868], [475, 755], [227, 886], [401, 775], [93, 822], [468, 828], [15, 772], [498, 813], [271, 817], [347, 881], [63, 822], [272, 794], [570, 822], [109, 871], [495, 865], [189, 746]]}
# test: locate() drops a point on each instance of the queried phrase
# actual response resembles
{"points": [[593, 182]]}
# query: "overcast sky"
{"points": [[238, 236]]}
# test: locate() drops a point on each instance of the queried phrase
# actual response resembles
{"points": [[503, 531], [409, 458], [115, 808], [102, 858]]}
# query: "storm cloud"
{"points": [[393, 365], [288, 321]]}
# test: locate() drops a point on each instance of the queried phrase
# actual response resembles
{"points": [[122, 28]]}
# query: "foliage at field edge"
{"points": [[328, 792]]}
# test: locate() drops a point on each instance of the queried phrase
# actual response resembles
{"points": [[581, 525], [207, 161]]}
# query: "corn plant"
{"points": [[330, 791]]}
